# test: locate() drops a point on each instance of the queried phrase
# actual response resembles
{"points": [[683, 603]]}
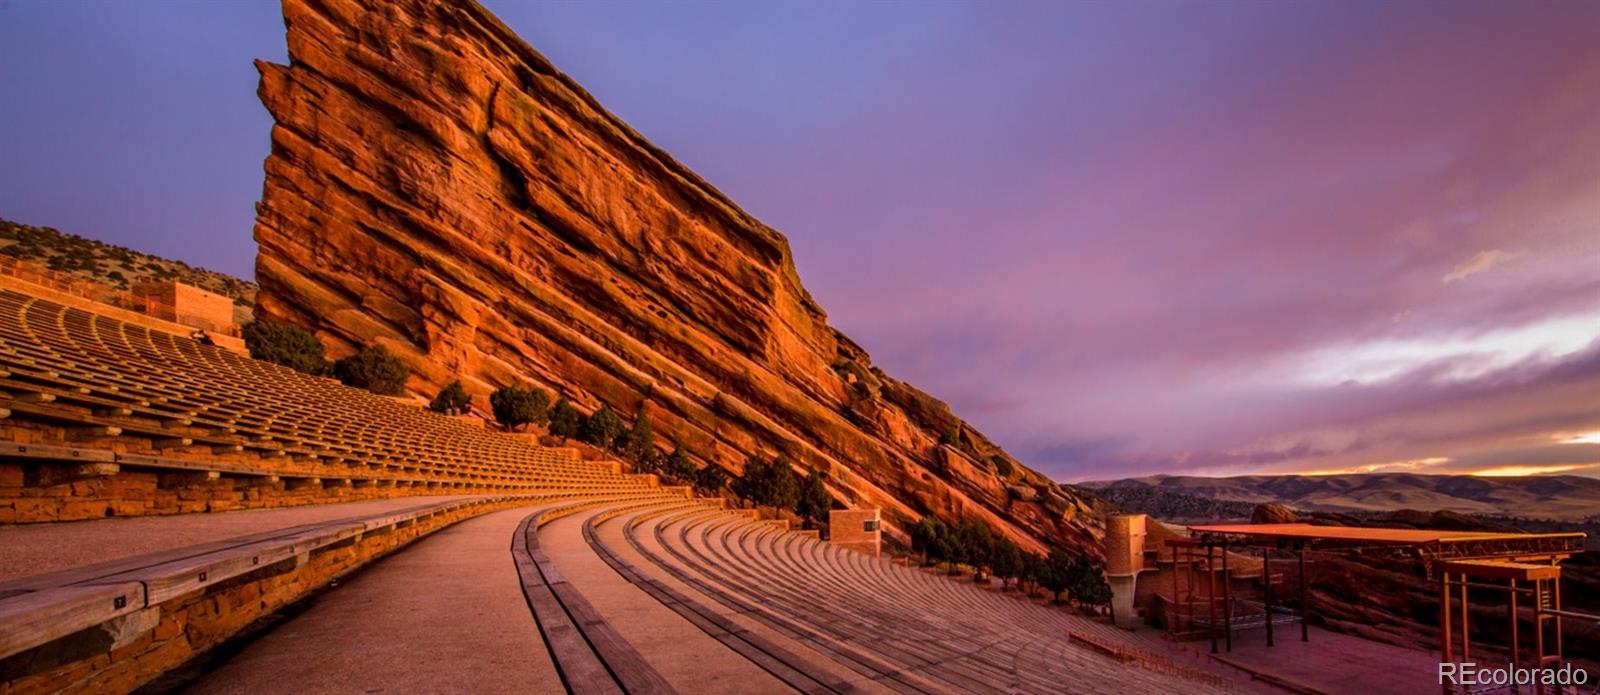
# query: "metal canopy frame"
{"points": [[1527, 563]]}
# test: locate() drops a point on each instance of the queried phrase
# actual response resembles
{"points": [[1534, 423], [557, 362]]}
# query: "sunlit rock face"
{"points": [[436, 186]]}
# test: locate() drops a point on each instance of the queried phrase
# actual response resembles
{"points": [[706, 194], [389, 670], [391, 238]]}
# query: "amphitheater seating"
{"points": [[104, 418], [102, 397]]}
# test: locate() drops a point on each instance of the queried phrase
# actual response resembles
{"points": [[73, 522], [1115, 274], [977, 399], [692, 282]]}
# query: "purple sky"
{"points": [[1120, 238]]}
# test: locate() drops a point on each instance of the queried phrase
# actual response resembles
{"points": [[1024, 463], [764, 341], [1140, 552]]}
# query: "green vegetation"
{"points": [[972, 542], [814, 502], [1006, 560], [638, 445], [565, 421], [1076, 576], [291, 346], [452, 400], [677, 465], [950, 437], [514, 406], [373, 369], [710, 479], [602, 428], [768, 483], [108, 264]]}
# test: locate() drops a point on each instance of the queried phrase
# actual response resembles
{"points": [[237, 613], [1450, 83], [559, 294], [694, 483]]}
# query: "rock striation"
{"points": [[437, 186]]}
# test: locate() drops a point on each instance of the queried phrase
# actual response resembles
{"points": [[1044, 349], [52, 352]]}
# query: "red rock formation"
{"points": [[438, 186]]}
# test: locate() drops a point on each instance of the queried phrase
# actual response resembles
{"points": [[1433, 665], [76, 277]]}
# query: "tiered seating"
{"points": [[85, 399], [102, 395], [895, 627]]}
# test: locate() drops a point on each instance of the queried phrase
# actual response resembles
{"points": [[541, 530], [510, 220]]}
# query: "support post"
{"points": [[1305, 601], [1538, 622], [1266, 580], [1466, 626], [1446, 638], [1511, 613], [1211, 597], [1227, 601]]}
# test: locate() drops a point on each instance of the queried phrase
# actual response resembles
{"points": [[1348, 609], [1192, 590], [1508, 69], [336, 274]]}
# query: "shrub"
{"points": [[373, 369], [771, 483], [602, 428], [1006, 560], [1087, 584], [565, 421], [639, 443], [514, 406], [451, 400], [933, 538], [291, 346], [814, 501], [677, 465], [710, 479], [1055, 573], [950, 437]]}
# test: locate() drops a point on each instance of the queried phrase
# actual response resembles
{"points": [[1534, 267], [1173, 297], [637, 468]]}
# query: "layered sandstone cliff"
{"points": [[437, 186]]}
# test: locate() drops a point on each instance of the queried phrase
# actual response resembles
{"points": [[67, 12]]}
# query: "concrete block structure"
{"points": [[1125, 540], [191, 306], [856, 529]]}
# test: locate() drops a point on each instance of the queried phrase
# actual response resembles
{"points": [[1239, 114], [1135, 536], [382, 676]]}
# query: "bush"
{"points": [[932, 538], [950, 437], [710, 479], [639, 443], [602, 428], [677, 465], [452, 400], [373, 369], [814, 500], [1007, 560], [565, 421], [515, 406], [291, 346], [771, 483], [1055, 574]]}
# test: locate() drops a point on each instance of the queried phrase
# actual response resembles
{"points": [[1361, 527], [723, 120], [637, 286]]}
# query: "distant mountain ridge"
{"points": [[1565, 497]]}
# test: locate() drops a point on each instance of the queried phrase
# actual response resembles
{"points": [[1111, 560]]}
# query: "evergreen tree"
{"points": [[1007, 560], [452, 400], [677, 465], [565, 421], [814, 502], [602, 428], [710, 479], [375, 369], [639, 443], [515, 406], [283, 344], [1056, 573]]}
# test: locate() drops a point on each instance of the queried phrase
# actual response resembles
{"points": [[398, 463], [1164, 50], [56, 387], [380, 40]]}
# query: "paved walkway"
{"points": [[31, 549], [1334, 663], [689, 659], [445, 615]]}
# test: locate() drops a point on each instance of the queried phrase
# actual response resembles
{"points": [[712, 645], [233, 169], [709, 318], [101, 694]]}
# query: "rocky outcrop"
{"points": [[437, 186], [1273, 513]]}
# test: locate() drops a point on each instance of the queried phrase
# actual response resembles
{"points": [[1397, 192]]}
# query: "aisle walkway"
{"points": [[31, 549], [690, 660], [446, 615]]}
